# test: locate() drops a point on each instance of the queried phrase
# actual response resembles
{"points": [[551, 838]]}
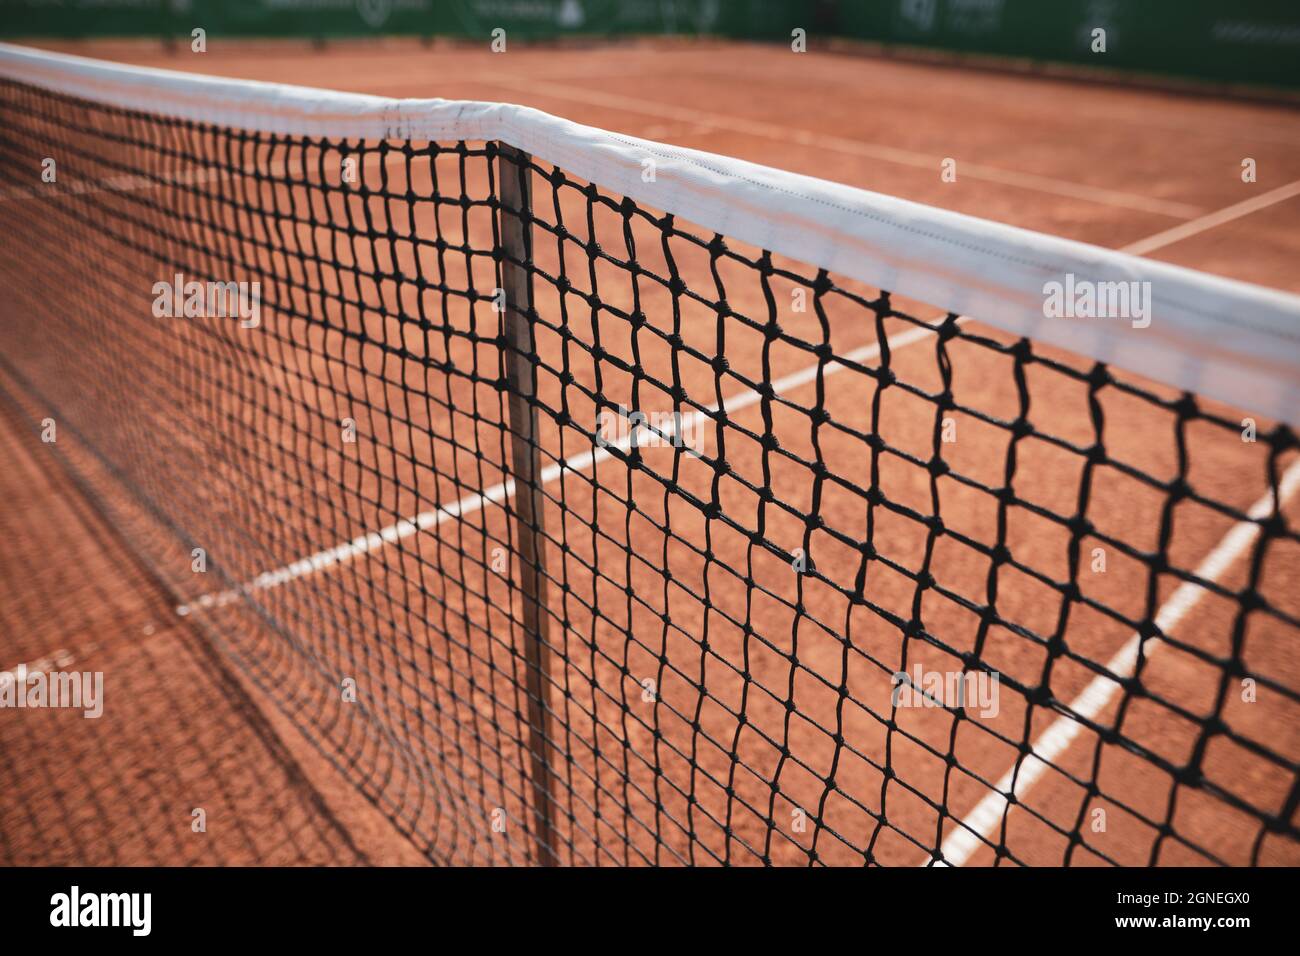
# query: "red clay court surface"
{"points": [[1155, 173]]}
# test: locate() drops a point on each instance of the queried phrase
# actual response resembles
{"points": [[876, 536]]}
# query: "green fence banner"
{"points": [[1245, 41], [527, 19]]}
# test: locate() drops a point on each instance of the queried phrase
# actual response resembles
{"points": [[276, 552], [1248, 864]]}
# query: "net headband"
{"points": [[1228, 340]]}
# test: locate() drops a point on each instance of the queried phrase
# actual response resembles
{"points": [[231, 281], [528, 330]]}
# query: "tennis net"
{"points": [[588, 501]]}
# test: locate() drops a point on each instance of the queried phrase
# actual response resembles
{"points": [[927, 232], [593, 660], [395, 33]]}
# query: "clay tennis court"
{"points": [[722, 631]]}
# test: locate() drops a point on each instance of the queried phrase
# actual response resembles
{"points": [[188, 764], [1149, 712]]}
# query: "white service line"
{"points": [[965, 840], [1210, 220], [784, 133], [399, 530]]}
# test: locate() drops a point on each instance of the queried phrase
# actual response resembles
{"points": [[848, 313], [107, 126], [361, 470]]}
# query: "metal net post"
{"points": [[516, 242]]}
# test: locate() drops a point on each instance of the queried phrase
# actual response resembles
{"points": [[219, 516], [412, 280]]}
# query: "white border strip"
{"points": [[1228, 340]]}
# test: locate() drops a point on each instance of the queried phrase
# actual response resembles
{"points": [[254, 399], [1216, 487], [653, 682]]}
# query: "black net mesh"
{"points": [[571, 533]]}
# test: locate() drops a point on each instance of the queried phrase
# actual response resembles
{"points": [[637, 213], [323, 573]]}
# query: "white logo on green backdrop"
{"points": [[570, 15], [374, 12]]}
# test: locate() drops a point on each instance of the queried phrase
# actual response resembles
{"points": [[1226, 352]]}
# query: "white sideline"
{"points": [[963, 841], [374, 540], [1228, 340]]}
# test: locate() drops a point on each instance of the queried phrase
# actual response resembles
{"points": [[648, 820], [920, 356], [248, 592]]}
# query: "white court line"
{"points": [[965, 840], [1210, 220], [853, 147], [62, 657], [127, 182], [132, 182], [399, 530], [372, 541]]}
